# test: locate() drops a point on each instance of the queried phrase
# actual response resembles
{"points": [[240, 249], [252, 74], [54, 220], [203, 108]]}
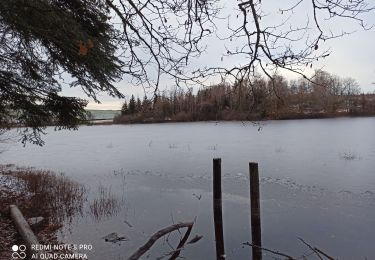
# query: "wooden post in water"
{"points": [[256, 233], [218, 217]]}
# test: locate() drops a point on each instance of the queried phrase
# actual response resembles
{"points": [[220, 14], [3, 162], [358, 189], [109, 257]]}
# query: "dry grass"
{"points": [[105, 205], [52, 193], [37, 193]]}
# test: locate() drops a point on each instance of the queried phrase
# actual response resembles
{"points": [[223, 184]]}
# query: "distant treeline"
{"points": [[325, 96]]}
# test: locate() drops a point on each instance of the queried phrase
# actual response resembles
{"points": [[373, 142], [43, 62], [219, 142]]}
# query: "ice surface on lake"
{"points": [[159, 171]]}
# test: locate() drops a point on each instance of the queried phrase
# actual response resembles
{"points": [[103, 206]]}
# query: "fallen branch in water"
{"points": [[314, 251], [143, 249], [311, 248], [181, 246], [182, 243]]}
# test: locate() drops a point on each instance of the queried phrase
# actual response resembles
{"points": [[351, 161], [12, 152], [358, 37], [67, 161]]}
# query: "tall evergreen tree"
{"points": [[132, 105], [124, 108], [146, 104], [40, 41], [138, 105]]}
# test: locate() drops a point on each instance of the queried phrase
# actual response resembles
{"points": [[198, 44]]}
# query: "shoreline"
{"points": [[251, 119], [248, 119]]}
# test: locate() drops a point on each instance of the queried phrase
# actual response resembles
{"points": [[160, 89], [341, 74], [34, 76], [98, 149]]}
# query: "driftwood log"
{"points": [[23, 228]]}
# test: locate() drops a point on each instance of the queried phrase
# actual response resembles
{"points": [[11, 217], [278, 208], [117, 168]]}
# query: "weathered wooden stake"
{"points": [[218, 217], [256, 232]]}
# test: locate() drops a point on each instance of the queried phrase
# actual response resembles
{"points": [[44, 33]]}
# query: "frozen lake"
{"points": [[317, 183]]}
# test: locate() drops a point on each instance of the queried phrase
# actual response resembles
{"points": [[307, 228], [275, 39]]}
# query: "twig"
{"points": [[320, 251], [312, 248], [269, 250], [316, 250], [127, 223]]}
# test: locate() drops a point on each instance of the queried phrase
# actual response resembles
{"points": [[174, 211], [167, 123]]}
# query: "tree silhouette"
{"points": [[124, 108], [132, 105], [40, 47]]}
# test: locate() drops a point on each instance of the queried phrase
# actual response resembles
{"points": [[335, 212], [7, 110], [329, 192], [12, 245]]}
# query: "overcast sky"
{"points": [[352, 55]]}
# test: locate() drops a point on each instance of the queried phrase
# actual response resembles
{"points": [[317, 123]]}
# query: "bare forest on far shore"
{"points": [[325, 96]]}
